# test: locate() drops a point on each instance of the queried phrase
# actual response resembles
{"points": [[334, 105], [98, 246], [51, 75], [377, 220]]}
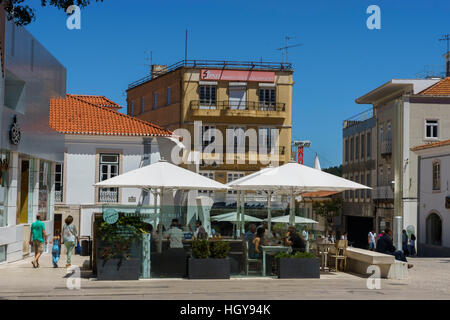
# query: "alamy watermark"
{"points": [[374, 20], [374, 280], [73, 22], [73, 276]]}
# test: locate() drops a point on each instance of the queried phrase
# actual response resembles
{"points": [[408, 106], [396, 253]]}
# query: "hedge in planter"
{"points": [[298, 266], [210, 260], [116, 242]]}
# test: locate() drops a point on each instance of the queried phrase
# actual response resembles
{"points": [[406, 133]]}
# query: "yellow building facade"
{"points": [[248, 104]]}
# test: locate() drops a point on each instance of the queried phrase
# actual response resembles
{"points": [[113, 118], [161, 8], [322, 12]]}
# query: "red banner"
{"points": [[237, 75]]}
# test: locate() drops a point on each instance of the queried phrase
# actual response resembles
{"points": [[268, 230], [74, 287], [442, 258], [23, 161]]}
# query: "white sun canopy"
{"points": [[233, 217], [162, 175], [298, 220]]}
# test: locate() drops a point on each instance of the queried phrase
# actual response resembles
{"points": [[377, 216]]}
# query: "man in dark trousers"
{"points": [[385, 245]]}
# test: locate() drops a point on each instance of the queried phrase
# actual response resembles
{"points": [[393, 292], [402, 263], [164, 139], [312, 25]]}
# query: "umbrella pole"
{"points": [[160, 228], [155, 208], [269, 210], [292, 209], [238, 209], [243, 212]]}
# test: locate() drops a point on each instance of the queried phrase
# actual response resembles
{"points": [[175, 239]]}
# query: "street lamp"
{"points": [[300, 147]]}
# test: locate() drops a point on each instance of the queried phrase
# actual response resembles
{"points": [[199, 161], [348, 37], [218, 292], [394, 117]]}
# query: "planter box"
{"points": [[209, 268], [128, 270], [298, 268]]}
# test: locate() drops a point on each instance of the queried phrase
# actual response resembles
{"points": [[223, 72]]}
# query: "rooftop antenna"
{"points": [[285, 50], [149, 58], [186, 47], [446, 37]]}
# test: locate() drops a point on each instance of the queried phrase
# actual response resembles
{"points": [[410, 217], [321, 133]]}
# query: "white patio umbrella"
{"points": [[233, 217], [293, 178], [164, 176], [298, 220]]}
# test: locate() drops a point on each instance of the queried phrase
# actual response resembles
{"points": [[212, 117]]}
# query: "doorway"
{"points": [[358, 229], [238, 98], [57, 223], [22, 208]]}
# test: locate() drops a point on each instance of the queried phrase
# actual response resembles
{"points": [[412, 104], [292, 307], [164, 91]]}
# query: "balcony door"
{"points": [[238, 98], [109, 168]]}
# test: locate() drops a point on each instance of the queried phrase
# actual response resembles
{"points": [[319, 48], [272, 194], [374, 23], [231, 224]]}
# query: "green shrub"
{"points": [[200, 249], [220, 249], [298, 255]]}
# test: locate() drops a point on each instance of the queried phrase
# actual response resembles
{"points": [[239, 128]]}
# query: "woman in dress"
{"points": [[70, 238]]}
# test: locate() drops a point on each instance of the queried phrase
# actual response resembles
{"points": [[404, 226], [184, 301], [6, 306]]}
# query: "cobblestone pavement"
{"points": [[429, 279]]}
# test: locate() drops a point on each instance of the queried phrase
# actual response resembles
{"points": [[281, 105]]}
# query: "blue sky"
{"points": [[341, 58]]}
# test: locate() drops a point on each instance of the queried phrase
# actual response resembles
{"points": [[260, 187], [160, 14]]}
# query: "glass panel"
{"points": [[2, 254], [109, 158]]}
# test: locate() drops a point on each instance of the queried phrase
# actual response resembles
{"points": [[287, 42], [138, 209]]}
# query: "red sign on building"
{"points": [[237, 75]]}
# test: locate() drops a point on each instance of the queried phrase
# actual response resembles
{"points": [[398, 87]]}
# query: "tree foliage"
{"points": [[328, 209], [337, 171], [22, 14]]}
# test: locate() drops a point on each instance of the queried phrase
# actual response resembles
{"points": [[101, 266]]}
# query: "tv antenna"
{"points": [[149, 59], [446, 37], [285, 50]]}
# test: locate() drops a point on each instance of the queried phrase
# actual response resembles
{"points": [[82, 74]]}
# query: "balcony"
{"points": [[108, 196], [58, 197], [383, 193], [386, 148], [236, 108]]}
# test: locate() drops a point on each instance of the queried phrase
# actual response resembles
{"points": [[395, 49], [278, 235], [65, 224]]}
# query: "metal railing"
{"points": [[386, 147], [383, 193], [58, 197], [360, 117], [108, 196], [231, 105], [252, 65]]}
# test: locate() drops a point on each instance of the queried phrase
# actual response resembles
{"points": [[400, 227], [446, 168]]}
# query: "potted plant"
{"points": [[299, 266], [209, 260], [116, 243]]}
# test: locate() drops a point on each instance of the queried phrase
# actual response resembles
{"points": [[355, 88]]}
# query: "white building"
{"points": [[29, 148], [434, 199], [100, 143]]}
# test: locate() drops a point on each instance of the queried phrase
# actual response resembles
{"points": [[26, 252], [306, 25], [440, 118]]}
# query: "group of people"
{"points": [[38, 238], [408, 243], [175, 234], [256, 237], [332, 237], [385, 245]]}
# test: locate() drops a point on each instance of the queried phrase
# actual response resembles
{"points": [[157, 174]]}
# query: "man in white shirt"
{"points": [[175, 235], [372, 238], [306, 237]]}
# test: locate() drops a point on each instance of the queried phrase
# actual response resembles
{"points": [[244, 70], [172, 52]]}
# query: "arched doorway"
{"points": [[434, 230]]}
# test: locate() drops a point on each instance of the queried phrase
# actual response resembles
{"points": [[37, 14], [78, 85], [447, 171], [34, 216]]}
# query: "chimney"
{"points": [[158, 70], [447, 63]]}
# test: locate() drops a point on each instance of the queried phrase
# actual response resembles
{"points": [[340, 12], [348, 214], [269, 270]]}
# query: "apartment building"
{"points": [[245, 108], [29, 148], [359, 165], [408, 113]]}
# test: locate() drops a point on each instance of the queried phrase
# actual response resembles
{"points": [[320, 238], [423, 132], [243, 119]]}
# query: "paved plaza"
{"points": [[429, 279]]}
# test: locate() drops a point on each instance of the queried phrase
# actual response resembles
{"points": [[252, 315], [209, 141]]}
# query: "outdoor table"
{"points": [[324, 247], [271, 249]]}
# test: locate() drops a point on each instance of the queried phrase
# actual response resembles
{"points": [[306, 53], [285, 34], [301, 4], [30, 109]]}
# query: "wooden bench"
{"points": [[358, 260]]}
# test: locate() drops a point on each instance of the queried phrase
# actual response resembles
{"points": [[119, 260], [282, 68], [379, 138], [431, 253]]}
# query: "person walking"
{"points": [[405, 243], [56, 249], [37, 239], [372, 239], [70, 238], [412, 245]]}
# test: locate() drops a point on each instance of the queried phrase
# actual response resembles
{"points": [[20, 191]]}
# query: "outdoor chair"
{"points": [[249, 260], [340, 254]]}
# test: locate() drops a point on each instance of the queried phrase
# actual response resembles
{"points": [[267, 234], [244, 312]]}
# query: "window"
{"points": [[431, 129], [155, 100], [209, 175], [381, 135], [388, 174], [388, 135], [169, 96], [356, 191], [109, 168], [3, 253], [434, 230], [207, 96], [142, 105], [369, 184], [208, 136], [131, 108], [352, 192], [346, 150], [352, 150], [44, 189], [381, 176], [232, 176], [369, 145], [363, 181], [237, 97], [267, 140], [59, 183], [363, 150], [267, 99], [436, 176], [357, 148]]}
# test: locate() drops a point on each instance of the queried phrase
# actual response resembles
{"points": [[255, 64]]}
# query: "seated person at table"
{"points": [[268, 236], [295, 241], [175, 235], [255, 251], [200, 233], [385, 245], [250, 234]]}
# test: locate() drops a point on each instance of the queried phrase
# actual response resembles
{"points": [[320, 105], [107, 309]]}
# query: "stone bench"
{"points": [[358, 260]]}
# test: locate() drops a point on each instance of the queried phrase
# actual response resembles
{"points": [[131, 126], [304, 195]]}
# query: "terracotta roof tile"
{"points": [[432, 145], [97, 100], [74, 115], [441, 88]]}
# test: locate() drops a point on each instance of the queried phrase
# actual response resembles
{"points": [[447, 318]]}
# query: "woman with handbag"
{"points": [[70, 238]]}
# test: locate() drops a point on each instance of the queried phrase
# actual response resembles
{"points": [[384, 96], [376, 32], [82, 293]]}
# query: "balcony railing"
{"points": [[386, 147], [383, 193], [236, 105], [58, 197], [108, 196]]}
